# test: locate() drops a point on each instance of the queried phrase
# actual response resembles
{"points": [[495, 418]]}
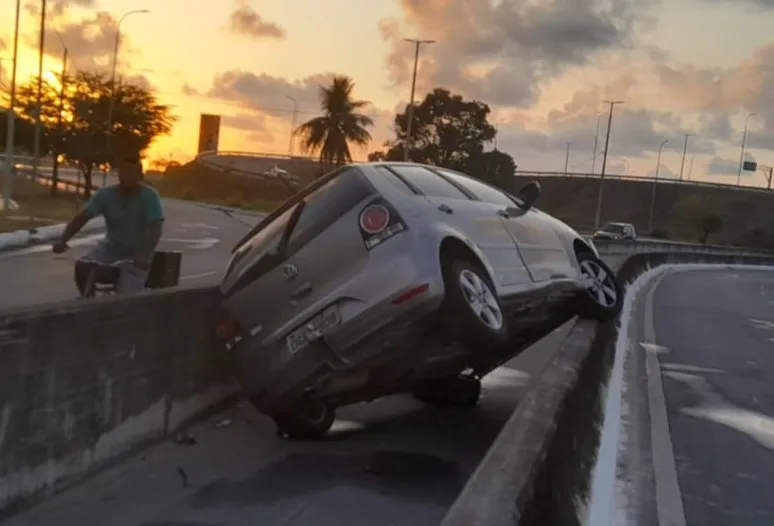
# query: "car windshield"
{"points": [[613, 228]]}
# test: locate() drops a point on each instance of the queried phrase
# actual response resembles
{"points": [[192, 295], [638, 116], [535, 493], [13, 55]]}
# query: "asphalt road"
{"points": [[395, 461], [710, 457], [34, 275]]}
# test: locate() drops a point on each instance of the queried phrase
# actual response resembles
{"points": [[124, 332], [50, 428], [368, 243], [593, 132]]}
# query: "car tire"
{"points": [[603, 298], [471, 310], [307, 421], [458, 391]]}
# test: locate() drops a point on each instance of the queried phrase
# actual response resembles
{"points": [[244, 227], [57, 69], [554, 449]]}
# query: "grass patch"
{"points": [[194, 182], [37, 207]]}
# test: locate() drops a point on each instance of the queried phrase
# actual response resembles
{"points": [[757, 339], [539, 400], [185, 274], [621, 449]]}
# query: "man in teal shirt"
{"points": [[134, 217]]}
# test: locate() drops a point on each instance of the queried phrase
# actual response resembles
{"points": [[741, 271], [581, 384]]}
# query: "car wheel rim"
{"points": [[481, 300], [600, 285]]}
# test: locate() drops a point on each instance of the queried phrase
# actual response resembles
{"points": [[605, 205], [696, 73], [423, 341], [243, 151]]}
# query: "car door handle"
{"points": [[503, 213], [445, 209]]}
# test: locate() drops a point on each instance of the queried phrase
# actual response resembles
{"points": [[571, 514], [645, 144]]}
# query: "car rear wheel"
{"points": [[459, 391], [471, 309], [603, 297], [309, 420]]}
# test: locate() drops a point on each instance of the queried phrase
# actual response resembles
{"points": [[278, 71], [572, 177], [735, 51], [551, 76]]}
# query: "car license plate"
{"points": [[314, 329]]}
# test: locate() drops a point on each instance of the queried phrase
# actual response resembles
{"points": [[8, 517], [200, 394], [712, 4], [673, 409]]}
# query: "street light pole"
{"points": [[655, 184], [744, 143], [596, 145], [410, 113], [685, 150], [598, 214], [567, 158], [112, 101], [293, 124], [10, 117], [39, 98], [57, 144]]}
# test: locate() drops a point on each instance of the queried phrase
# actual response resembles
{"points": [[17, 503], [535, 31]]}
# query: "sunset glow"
{"points": [[243, 60]]}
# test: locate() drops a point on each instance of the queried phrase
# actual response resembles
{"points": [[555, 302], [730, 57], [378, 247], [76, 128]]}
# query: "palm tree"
{"points": [[341, 124]]}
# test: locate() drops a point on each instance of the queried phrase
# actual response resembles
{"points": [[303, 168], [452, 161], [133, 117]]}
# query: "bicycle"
{"points": [[102, 279]]}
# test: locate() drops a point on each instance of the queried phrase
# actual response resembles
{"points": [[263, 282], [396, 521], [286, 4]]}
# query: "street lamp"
{"points": [[598, 214], [744, 143], [596, 145], [39, 97], [10, 117], [111, 103], [685, 150], [293, 124], [410, 115], [655, 183]]}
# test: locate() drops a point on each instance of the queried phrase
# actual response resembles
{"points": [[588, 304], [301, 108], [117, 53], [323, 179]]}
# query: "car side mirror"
{"points": [[529, 194]]}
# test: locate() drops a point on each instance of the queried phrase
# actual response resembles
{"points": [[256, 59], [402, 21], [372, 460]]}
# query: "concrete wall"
{"points": [[85, 382]]}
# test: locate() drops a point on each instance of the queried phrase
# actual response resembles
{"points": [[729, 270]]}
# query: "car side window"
{"points": [[481, 190], [429, 183], [394, 180]]}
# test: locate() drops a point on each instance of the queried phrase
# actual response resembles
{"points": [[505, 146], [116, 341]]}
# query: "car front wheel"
{"points": [[602, 299]]}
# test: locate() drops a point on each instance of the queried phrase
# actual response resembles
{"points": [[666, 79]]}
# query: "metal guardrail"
{"points": [[627, 248]]}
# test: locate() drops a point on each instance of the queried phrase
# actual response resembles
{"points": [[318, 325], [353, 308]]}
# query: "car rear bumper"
{"points": [[274, 379], [405, 285]]}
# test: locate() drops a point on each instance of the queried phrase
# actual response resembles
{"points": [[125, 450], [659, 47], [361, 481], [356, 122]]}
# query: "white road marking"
{"points": [[714, 407], [205, 226], [669, 500], [195, 244], [654, 348], [763, 324]]}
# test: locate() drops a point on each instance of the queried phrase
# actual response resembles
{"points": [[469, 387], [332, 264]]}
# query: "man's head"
{"points": [[129, 173]]}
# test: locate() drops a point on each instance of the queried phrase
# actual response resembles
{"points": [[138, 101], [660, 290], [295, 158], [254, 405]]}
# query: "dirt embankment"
{"points": [[747, 216]]}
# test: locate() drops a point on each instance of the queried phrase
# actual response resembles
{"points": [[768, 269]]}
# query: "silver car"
{"points": [[386, 277]]}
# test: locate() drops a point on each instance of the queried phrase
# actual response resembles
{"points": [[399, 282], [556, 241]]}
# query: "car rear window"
{"points": [[429, 183], [327, 204]]}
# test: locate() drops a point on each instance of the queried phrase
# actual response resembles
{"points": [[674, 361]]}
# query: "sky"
{"points": [[545, 67]]}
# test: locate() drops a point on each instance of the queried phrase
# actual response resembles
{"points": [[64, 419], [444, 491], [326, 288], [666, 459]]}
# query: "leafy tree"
{"points": [[699, 211], [709, 223], [138, 118], [76, 125], [494, 167], [449, 131], [341, 124]]}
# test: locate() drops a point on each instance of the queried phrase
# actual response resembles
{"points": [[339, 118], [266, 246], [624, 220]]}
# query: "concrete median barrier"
{"points": [[539, 469], [84, 383]]}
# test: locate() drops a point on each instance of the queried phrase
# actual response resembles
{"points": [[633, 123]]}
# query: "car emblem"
{"points": [[290, 271]]}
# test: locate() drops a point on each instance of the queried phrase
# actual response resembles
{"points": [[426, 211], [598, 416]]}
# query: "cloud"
{"points": [[270, 101], [501, 52], [244, 20], [89, 42], [58, 8], [255, 125]]}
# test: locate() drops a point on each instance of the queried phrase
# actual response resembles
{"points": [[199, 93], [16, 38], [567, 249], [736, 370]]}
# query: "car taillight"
{"points": [[379, 222], [227, 329]]}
